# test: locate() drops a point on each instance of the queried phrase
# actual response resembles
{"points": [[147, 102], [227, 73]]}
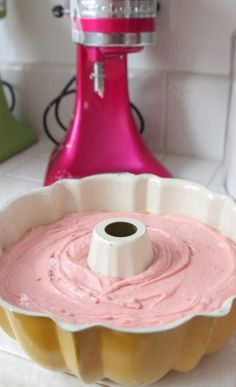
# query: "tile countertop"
{"points": [[25, 172]]}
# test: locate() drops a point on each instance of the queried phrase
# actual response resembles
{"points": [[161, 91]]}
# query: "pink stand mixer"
{"points": [[103, 136]]}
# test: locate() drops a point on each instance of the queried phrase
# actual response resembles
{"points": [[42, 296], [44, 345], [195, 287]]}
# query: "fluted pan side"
{"points": [[129, 356]]}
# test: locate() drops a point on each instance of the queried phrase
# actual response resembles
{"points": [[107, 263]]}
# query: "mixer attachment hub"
{"points": [[98, 78]]}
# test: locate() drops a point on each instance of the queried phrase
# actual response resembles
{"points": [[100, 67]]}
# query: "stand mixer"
{"points": [[103, 136]]}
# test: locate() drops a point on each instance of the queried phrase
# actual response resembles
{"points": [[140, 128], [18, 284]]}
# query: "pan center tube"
{"points": [[120, 248]]}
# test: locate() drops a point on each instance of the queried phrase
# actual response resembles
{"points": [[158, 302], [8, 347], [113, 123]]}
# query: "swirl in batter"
{"points": [[193, 271]]}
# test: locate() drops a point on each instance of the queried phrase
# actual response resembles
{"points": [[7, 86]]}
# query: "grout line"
{"points": [[29, 179], [214, 174], [192, 157], [9, 353], [19, 164], [25, 160], [26, 179], [166, 115], [158, 155]]}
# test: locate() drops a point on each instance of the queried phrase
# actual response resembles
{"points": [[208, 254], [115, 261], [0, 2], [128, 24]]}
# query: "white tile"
{"points": [[217, 182], [42, 147], [200, 171], [35, 170], [148, 93], [160, 156], [43, 83], [196, 117], [7, 344], [14, 74], [194, 39], [196, 105], [18, 372], [192, 35], [12, 187], [35, 86], [35, 39], [216, 370]]}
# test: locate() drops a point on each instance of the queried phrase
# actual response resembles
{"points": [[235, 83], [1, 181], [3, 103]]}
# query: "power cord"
{"points": [[140, 117], [12, 94], [55, 103], [65, 92]]}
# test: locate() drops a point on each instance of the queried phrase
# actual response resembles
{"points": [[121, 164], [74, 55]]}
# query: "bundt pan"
{"points": [[123, 356]]}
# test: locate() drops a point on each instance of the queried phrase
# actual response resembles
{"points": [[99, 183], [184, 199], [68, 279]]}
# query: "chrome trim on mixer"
{"points": [[115, 8], [114, 39]]}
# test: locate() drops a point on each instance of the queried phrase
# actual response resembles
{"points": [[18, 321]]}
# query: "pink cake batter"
{"points": [[193, 270]]}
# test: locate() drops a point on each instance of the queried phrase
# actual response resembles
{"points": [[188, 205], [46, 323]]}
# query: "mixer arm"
{"points": [[97, 76]]}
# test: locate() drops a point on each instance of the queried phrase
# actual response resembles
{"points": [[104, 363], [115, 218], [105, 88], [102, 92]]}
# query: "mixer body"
{"points": [[103, 136]]}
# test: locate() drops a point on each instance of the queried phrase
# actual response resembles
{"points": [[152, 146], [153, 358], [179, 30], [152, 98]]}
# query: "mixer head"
{"points": [[112, 27], [102, 23]]}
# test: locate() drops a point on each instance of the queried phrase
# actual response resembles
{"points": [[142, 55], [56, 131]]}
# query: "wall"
{"points": [[193, 35], [181, 84]]}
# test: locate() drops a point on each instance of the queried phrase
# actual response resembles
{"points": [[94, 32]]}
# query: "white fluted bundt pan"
{"points": [[125, 356]]}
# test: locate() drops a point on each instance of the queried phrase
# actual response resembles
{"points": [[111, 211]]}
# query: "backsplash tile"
{"points": [[44, 82], [27, 155], [200, 171], [8, 344], [18, 372], [36, 85], [14, 74], [148, 93], [10, 187], [192, 35], [35, 170], [185, 114], [196, 116], [217, 182]]}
